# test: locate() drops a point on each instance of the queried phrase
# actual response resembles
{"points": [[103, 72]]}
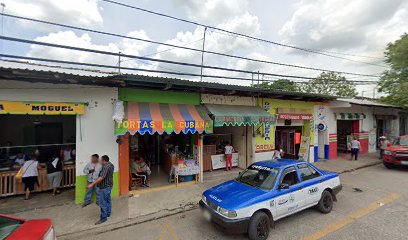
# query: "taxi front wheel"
{"points": [[259, 226], [325, 204]]}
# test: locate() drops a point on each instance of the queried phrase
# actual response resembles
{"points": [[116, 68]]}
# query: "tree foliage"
{"points": [[394, 82], [329, 83], [279, 85]]}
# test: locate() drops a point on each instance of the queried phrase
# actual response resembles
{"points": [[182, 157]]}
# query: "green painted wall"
{"points": [[80, 187], [156, 96]]}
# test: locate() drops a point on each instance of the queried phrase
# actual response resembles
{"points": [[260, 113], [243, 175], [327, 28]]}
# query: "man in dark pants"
{"points": [[105, 184]]}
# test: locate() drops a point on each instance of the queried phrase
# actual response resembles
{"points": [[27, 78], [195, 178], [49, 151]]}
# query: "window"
{"points": [[289, 176], [307, 172], [259, 177]]}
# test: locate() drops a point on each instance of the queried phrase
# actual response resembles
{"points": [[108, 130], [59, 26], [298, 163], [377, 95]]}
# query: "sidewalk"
{"points": [[72, 221]]}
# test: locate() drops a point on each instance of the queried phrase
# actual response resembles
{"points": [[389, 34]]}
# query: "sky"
{"points": [[357, 30]]}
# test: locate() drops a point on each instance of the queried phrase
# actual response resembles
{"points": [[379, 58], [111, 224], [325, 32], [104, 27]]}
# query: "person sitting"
{"points": [[140, 170]]}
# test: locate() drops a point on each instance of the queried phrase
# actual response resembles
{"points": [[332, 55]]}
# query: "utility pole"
{"points": [[119, 62], [202, 55]]}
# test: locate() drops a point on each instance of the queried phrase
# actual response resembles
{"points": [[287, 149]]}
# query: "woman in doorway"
{"points": [[54, 174], [278, 153], [30, 176]]}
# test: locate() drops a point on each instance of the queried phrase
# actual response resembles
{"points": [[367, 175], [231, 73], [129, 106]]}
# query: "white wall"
{"points": [[94, 129]]}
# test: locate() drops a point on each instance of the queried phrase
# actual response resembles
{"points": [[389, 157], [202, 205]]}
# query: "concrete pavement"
{"points": [[372, 205], [72, 221]]}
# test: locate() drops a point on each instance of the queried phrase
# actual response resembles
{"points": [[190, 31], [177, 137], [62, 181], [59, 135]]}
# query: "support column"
{"points": [[124, 167]]}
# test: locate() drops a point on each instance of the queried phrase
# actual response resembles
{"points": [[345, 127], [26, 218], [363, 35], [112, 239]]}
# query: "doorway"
{"points": [[288, 139]]}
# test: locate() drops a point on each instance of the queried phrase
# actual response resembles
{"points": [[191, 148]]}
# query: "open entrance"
{"points": [[345, 130], [288, 138], [155, 160], [41, 137]]}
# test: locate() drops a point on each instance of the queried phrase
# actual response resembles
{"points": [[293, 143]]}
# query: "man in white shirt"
{"points": [[92, 170], [228, 154], [355, 148]]}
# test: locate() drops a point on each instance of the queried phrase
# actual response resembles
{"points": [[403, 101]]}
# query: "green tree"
{"points": [[330, 83], [394, 82], [279, 85]]}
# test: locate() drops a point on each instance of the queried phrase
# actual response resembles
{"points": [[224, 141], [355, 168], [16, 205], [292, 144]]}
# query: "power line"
{"points": [[238, 34], [148, 59], [183, 47], [137, 69]]}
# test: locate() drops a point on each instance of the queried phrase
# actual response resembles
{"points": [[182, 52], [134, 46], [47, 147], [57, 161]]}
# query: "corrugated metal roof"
{"points": [[33, 72], [365, 102]]}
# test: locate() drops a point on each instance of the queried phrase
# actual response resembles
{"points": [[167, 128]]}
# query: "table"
{"points": [[189, 169]]}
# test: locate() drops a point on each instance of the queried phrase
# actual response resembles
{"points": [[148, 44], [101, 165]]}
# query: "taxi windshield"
{"points": [[259, 177]]}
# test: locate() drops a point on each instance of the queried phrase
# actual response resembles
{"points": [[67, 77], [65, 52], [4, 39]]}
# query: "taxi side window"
{"points": [[289, 176], [307, 172]]}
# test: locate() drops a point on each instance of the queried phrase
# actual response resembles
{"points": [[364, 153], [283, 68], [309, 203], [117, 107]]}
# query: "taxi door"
{"points": [[291, 195], [312, 182]]}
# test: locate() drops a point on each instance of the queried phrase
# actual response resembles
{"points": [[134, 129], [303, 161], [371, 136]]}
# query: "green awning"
{"points": [[234, 115], [351, 116]]}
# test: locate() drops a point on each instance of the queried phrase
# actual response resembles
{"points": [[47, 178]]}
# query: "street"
{"points": [[372, 205]]}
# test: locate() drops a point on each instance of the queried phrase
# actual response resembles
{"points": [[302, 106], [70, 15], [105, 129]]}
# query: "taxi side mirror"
{"points": [[283, 186]]}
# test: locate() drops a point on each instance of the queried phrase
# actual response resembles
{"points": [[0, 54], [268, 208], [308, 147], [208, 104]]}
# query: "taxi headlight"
{"points": [[204, 199], [387, 153], [227, 213]]}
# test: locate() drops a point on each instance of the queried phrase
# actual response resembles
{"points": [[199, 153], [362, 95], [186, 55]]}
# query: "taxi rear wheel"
{"points": [[259, 226], [325, 204]]}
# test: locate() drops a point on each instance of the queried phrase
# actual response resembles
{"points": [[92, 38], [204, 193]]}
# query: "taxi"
{"points": [[266, 192]]}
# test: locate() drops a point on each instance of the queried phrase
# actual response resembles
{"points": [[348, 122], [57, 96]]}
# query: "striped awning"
{"points": [[350, 116], [155, 117]]}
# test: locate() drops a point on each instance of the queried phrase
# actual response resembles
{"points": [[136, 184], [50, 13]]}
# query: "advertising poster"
{"points": [[304, 148]]}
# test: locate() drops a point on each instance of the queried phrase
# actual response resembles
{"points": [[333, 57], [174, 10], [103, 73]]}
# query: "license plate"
{"points": [[404, 162], [207, 215]]}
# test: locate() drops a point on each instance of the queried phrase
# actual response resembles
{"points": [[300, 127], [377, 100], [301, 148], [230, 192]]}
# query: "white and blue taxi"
{"points": [[268, 191]]}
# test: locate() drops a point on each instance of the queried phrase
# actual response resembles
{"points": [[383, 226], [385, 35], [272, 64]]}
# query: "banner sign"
{"points": [[41, 108], [304, 148], [284, 116]]}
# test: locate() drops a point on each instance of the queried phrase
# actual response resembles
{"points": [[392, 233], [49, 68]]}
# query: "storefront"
{"points": [[294, 131], [165, 132], [40, 119], [364, 119], [234, 125]]}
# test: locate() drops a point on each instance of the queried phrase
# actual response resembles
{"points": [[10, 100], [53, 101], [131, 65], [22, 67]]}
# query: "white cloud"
{"points": [[213, 11], [125, 46], [78, 12], [342, 25]]}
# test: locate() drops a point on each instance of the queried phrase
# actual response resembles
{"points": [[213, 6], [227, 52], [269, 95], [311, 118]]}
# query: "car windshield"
{"points": [[259, 177], [8, 226], [403, 141]]}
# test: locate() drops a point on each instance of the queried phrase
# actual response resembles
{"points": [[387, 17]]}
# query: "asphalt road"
{"points": [[372, 205]]}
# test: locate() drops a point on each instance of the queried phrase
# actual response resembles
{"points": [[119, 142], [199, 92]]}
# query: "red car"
{"points": [[12, 228], [397, 154]]}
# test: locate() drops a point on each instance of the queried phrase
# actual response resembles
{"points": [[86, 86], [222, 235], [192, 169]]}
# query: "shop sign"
{"points": [[285, 116], [41, 108], [169, 126]]}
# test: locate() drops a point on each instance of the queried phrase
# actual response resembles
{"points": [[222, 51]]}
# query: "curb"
{"points": [[158, 215], [360, 167]]}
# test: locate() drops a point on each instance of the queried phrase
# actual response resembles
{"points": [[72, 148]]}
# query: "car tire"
{"points": [[389, 166], [325, 204], [259, 226]]}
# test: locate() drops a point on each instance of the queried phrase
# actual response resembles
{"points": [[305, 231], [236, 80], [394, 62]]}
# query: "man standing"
{"points": [[355, 148], [92, 170], [228, 154], [105, 184], [383, 145]]}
